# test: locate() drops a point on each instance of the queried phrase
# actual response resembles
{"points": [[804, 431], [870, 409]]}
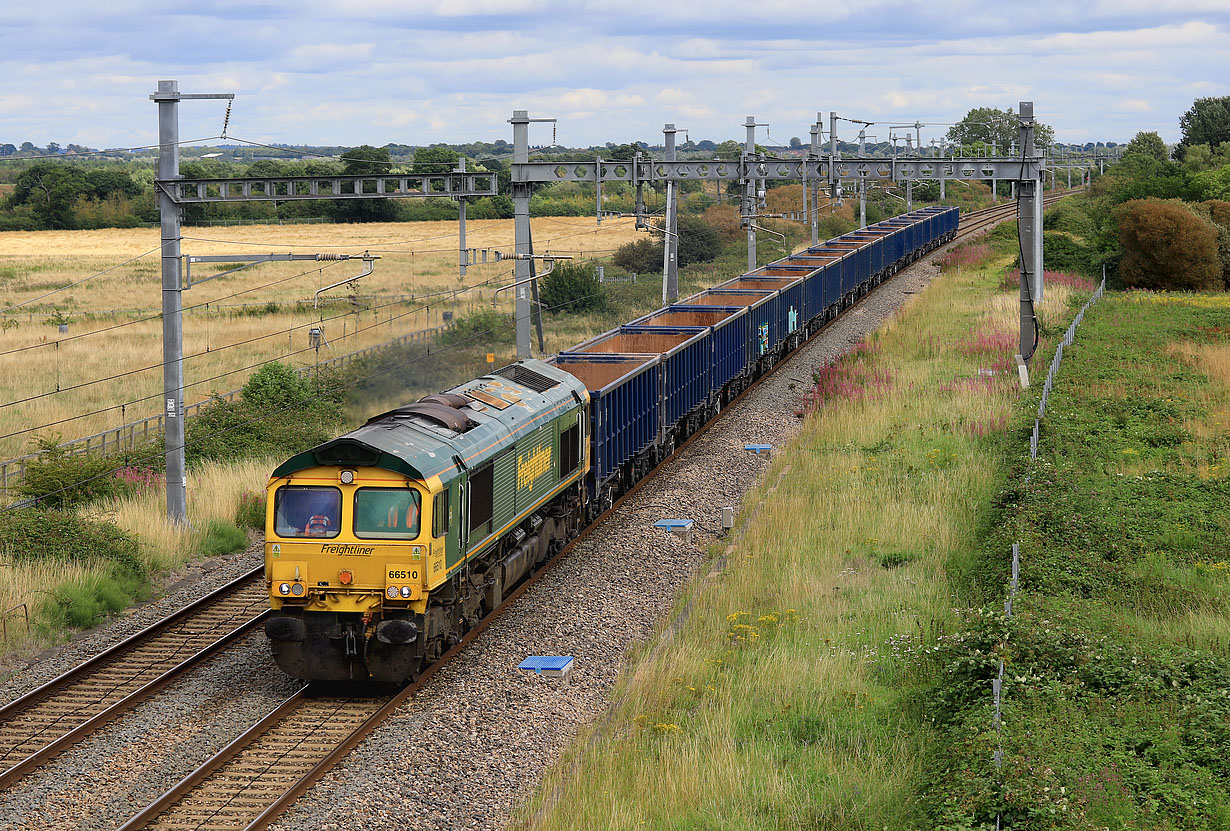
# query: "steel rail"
{"points": [[186, 795], [40, 724]]}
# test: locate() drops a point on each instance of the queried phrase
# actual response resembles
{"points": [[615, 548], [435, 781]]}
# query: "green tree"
{"points": [[438, 159], [621, 152], [1001, 127], [365, 160], [699, 242], [644, 256], [571, 287], [1207, 122], [1200, 157], [1148, 144], [50, 189], [1139, 176], [1212, 184]]}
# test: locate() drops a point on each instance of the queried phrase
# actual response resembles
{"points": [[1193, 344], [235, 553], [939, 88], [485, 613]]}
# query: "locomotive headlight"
{"points": [[347, 477], [392, 592], [284, 588], [297, 589], [405, 591]]}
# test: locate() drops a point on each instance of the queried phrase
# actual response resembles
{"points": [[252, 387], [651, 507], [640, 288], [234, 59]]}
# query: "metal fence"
{"points": [[136, 433], [997, 683]]}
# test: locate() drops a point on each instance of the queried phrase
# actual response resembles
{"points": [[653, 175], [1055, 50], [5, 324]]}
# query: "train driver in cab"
{"points": [[308, 512]]}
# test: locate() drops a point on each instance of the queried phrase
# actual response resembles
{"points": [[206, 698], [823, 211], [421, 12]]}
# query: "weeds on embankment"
{"points": [[799, 691]]}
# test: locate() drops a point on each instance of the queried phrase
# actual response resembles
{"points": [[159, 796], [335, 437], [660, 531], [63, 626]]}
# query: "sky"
{"points": [[413, 72]]}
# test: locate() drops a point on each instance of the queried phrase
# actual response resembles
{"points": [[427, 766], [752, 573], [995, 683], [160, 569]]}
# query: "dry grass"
{"points": [[22, 588], [1208, 456], [214, 489], [418, 259]]}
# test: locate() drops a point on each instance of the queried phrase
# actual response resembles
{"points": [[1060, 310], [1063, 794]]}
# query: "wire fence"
{"points": [[359, 301], [997, 683], [137, 433]]}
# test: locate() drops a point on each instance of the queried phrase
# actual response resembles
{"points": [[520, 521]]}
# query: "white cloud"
{"points": [[414, 71]]}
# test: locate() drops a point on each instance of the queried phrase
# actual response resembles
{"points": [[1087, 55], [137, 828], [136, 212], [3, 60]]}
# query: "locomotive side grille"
{"points": [[526, 377]]}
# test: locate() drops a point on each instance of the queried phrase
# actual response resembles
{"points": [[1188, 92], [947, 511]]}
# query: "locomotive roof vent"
{"points": [[347, 453], [526, 377]]}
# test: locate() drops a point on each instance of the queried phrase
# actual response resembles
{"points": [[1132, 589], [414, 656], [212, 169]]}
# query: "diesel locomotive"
{"points": [[385, 545]]}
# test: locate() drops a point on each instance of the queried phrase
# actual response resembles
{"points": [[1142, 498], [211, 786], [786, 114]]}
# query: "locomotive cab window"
{"points": [[439, 514], [307, 511], [386, 513]]}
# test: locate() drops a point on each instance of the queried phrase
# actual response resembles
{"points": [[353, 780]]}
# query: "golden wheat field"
{"points": [[106, 370]]}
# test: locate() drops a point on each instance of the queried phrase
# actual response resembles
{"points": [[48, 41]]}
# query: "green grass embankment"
{"points": [[1117, 695], [799, 692]]}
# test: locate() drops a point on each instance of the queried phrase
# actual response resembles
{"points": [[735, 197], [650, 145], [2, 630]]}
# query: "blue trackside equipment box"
{"points": [[553, 665]]}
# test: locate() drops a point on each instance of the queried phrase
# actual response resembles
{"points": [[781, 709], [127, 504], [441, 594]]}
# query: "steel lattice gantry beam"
{"points": [[290, 188], [845, 169]]}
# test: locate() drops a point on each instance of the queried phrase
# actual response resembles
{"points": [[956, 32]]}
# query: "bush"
{"points": [[1167, 247], [280, 412], [1218, 212], [641, 257], [699, 242], [571, 287], [498, 206], [725, 220], [1070, 219], [33, 534], [60, 479], [119, 576], [479, 328], [1062, 253]]}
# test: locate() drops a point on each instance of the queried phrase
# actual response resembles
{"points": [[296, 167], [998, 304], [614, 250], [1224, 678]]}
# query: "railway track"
{"points": [[48, 720], [258, 775], [975, 221]]}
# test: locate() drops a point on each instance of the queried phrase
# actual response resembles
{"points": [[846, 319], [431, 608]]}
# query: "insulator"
{"points": [[324, 257]]}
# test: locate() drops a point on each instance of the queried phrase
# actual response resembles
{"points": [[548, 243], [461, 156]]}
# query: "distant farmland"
{"points": [[267, 308]]}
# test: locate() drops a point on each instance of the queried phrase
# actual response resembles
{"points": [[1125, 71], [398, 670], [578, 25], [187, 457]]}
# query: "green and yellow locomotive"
{"points": [[383, 546]]}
